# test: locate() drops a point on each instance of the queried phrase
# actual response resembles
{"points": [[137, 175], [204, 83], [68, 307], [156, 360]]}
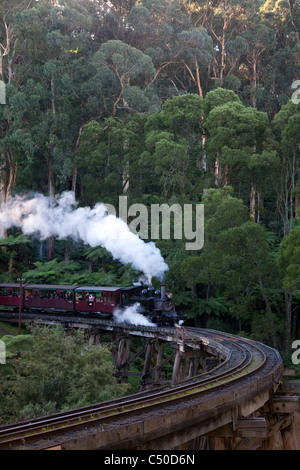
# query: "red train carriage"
{"points": [[102, 300], [61, 298], [9, 295], [48, 297]]}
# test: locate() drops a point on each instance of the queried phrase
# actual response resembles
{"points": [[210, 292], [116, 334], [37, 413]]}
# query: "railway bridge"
{"points": [[222, 392]]}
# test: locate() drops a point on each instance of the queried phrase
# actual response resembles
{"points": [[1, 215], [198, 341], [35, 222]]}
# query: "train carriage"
{"points": [[48, 297], [97, 300], [158, 306], [9, 295]]}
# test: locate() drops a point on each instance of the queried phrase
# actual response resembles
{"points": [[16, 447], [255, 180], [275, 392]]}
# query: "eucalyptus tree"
{"points": [[218, 97], [7, 48], [197, 51], [108, 159], [256, 47], [55, 39], [261, 40], [178, 51], [47, 372], [250, 271], [14, 139], [16, 142], [286, 127], [224, 20], [284, 17], [203, 271], [289, 266], [153, 23], [131, 68], [173, 142], [44, 98], [12, 243], [236, 264], [237, 149]]}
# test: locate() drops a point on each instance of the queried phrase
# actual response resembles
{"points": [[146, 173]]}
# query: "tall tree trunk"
{"points": [[288, 296], [74, 180], [5, 46], [225, 176], [10, 71], [297, 207], [260, 203], [287, 207], [67, 255], [50, 241], [75, 171], [200, 91], [254, 83], [252, 201], [217, 172], [50, 248], [293, 172], [269, 315], [53, 97], [1, 65], [223, 53], [8, 175]]}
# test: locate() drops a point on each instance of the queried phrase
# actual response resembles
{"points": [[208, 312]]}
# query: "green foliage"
{"points": [[13, 245], [166, 102], [218, 307], [48, 372], [51, 271], [289, 260], [219, 97]]}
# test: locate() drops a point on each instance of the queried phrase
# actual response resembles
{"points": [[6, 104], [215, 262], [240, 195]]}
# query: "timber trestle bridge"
{"points": [[222, 392]]}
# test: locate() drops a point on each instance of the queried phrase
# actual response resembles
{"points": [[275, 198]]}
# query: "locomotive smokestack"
{"points": [[163, 291]]}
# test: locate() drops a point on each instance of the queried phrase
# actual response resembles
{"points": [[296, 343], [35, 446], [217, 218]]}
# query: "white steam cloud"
{"points": [[130, 315], [62, 219]]}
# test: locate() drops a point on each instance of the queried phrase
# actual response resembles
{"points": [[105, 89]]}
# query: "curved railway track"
{"points": [[248, 368]]}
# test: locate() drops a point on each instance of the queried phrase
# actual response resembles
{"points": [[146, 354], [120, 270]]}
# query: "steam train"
{"points": [[156, 305]]}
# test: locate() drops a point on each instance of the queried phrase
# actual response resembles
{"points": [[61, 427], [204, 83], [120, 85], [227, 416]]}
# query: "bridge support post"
{"points": [[193, 364], [114, 350], [123, 358], [158, 362], [203, 361], [291, 435], [149, 344], [94, 338], [176, 375]]}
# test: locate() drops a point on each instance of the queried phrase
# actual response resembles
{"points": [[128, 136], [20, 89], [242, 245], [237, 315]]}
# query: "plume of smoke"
{"points": [[62, 218], [130, 315]]}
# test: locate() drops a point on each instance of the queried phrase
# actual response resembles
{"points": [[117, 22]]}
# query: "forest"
{"points": [[164, 101]]}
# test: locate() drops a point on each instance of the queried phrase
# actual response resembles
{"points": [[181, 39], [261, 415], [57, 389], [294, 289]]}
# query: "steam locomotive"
{"points": [[156, 305]]}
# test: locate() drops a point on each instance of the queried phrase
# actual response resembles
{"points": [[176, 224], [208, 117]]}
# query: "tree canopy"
{"points": [[164, 101], [47, 371]]}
